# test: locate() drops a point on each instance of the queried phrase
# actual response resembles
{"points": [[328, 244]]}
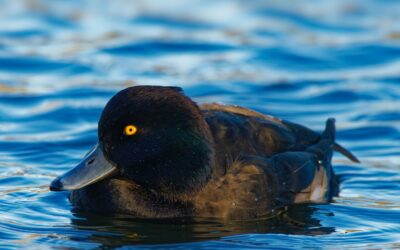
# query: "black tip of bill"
{"points": [[93, 168], [56, 185]]}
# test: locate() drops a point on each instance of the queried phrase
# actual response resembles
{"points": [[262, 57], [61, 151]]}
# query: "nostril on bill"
{"points": [[91, 161]]}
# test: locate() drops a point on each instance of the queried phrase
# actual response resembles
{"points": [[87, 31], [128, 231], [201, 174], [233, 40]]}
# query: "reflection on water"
{"points": [[305, 61], [121, 230]]}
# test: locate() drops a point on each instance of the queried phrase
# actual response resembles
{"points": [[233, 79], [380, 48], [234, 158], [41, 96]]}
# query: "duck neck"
{"points": [[181, 168], [187, 165], [195, 160]]}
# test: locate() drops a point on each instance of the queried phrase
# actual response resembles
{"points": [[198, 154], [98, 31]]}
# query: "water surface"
{"points": [[305, 61]]}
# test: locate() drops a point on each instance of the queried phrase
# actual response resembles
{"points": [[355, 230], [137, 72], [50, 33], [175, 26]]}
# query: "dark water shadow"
{"points": [[115, 231]]}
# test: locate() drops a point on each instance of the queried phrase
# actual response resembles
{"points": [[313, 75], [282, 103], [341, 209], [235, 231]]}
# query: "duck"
{"points": [[162, 155]]}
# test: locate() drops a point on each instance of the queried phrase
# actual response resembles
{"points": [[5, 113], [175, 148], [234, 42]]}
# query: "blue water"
{"points": [[305, 61]]}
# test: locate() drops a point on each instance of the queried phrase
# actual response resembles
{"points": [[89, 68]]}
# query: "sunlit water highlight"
{"points": [[305, 61]]}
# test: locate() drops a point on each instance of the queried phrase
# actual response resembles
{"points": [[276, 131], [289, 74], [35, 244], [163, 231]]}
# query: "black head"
{"points": [[170, 150]]}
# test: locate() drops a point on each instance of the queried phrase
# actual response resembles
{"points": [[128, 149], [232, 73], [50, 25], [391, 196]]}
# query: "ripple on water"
{"points": [[60, 62], [170, 22], [299, 19], [30, 65], [157, 48], [23, 34]]}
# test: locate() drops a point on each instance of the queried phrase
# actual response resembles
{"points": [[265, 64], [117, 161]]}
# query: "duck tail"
{"points": [[337, 147], [329, 134], [324, 148]]}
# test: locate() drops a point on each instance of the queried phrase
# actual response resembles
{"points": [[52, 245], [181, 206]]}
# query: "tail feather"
{"points": [[323, 149], [337, 147], [329, 133]]}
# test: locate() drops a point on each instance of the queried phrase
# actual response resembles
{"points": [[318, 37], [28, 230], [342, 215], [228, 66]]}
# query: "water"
{"points": [[299, 60]]}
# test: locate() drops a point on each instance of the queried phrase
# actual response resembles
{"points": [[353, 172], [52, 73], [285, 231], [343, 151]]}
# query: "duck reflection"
{"points": [[119, 230]]}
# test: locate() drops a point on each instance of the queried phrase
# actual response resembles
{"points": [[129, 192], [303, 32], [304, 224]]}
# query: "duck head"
{"points": [[154, 136]]}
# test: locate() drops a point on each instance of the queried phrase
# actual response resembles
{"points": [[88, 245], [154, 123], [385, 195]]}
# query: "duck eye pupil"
{"points": [[130, 130]]}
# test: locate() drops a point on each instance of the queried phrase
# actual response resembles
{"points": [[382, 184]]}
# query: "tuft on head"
{"points": [[150, 104]]}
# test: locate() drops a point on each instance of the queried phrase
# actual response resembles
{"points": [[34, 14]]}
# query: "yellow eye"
{"points": [[130, 130]]}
